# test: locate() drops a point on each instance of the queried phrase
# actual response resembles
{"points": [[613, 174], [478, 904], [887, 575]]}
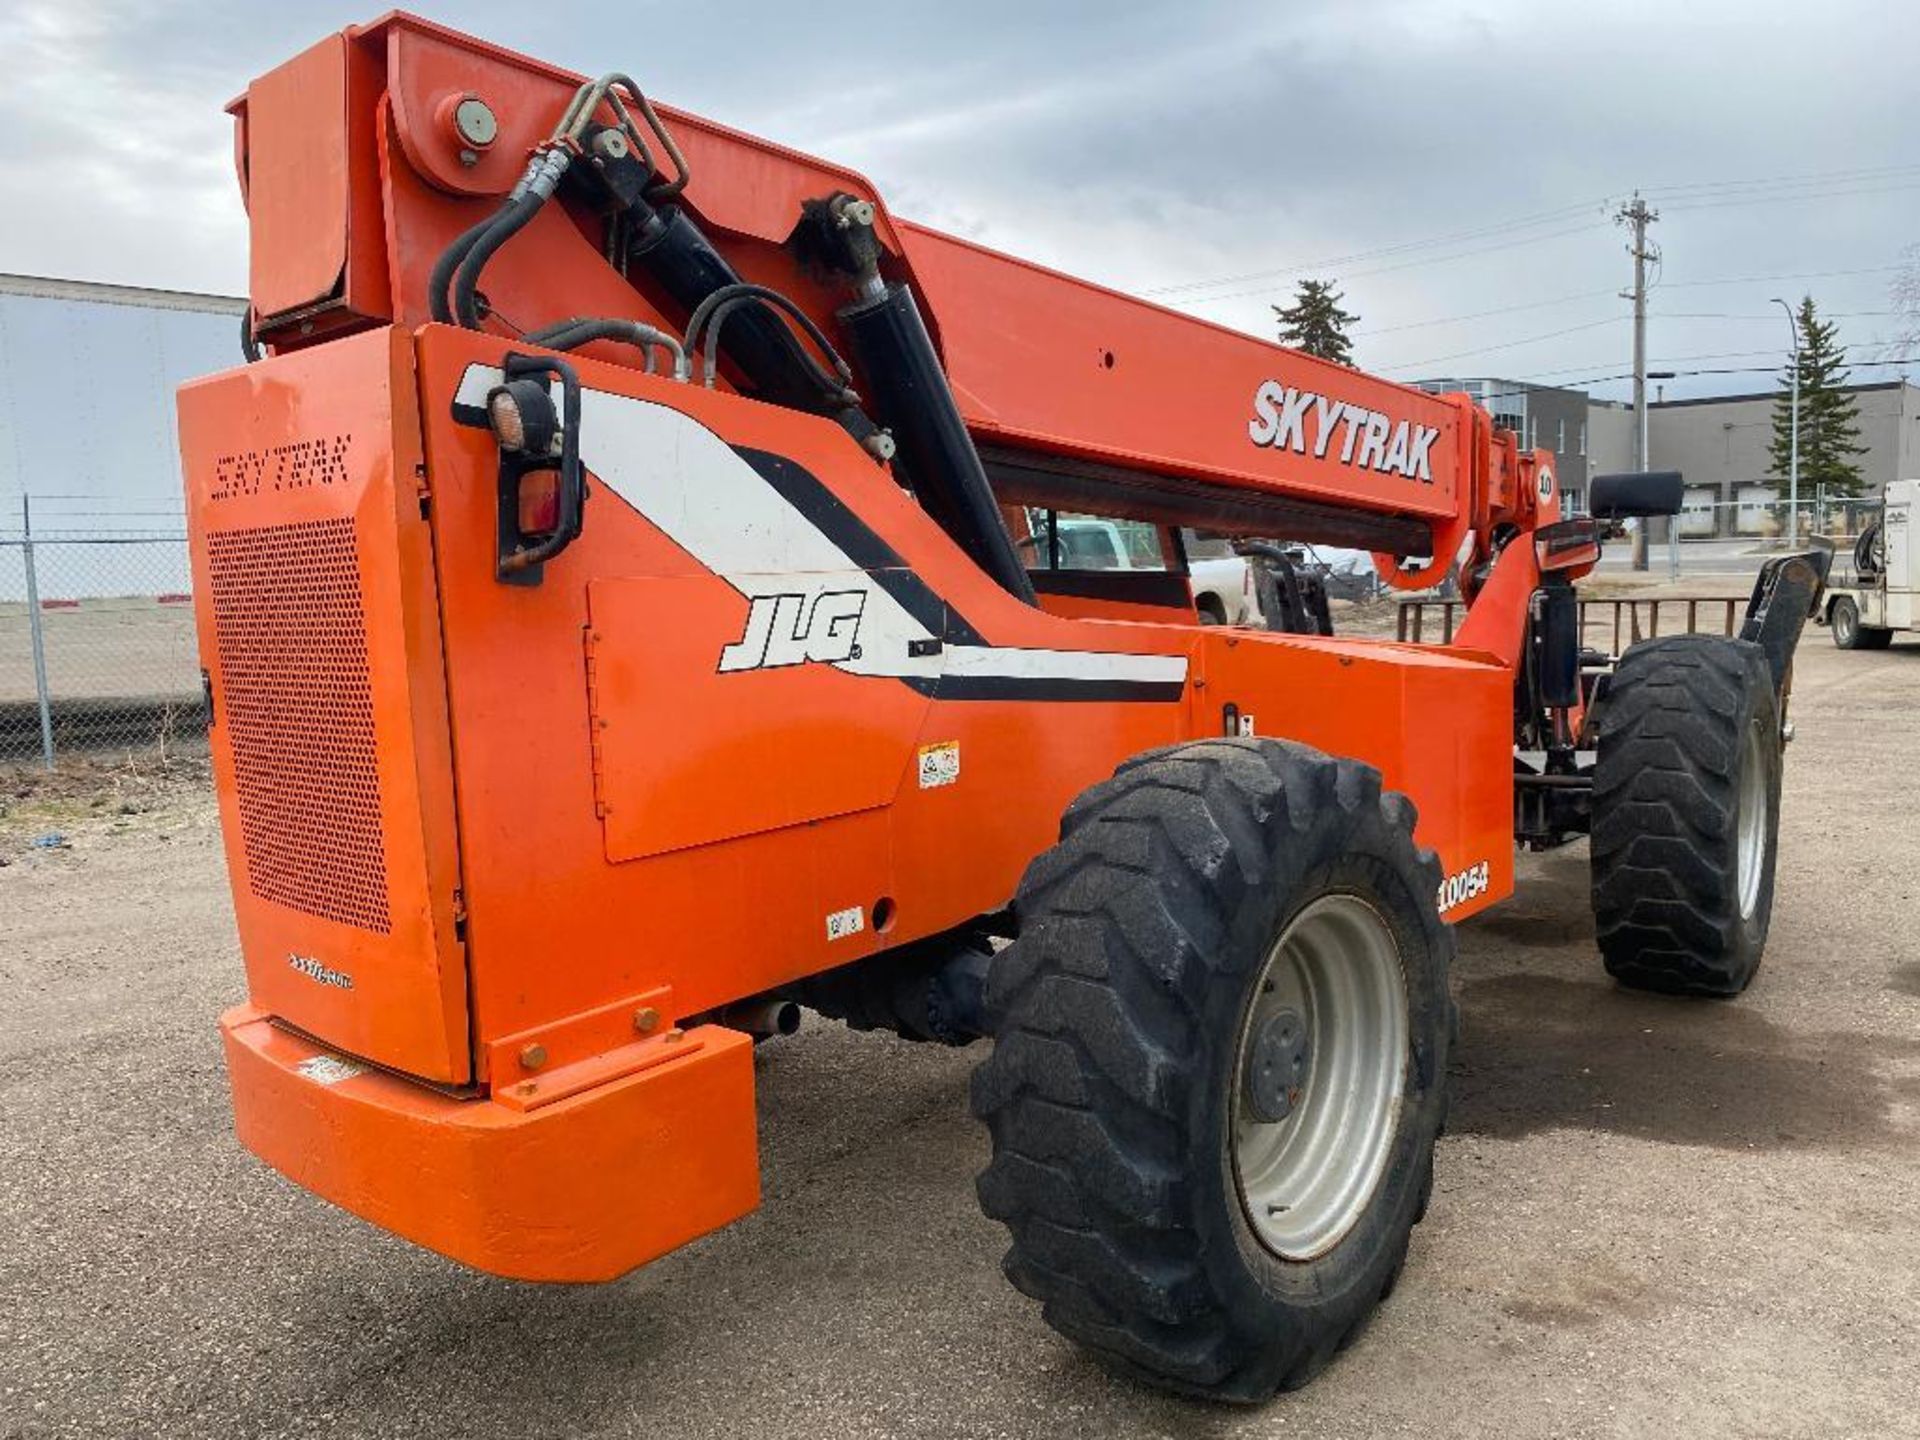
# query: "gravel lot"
{"points": [[1652, 1218]]}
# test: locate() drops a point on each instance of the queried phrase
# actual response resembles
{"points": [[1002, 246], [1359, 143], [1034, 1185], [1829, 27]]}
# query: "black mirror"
{"points": [[1639, 492], [1568, 544]]}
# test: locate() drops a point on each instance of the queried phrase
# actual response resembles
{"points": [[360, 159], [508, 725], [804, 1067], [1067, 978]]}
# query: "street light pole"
{"points": [[1793, 434]]}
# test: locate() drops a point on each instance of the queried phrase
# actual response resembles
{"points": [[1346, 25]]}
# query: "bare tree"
{"points": [[1906, 302]]}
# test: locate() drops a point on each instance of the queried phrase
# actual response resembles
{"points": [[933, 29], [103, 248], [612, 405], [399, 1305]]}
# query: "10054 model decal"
{"points": [[1468, 884]]}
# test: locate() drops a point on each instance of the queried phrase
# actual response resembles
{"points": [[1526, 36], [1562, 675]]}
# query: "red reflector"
{"points": [[539, 502]]}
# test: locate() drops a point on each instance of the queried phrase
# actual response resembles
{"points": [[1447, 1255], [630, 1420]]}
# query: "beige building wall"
{"points": [[1610, 438], [1724, 443], [1721, 446]]}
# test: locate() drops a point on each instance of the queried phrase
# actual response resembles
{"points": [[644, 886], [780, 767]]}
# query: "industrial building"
{"points": [[87, 430], [1544, 417], [1720, 444]]}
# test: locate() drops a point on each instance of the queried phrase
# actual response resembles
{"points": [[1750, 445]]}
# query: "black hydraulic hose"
{"points": [[778, 369], [548, 334], [714, 309], [571, 334], [841, 393], [536, 187], [512, 218], [441, 275]]}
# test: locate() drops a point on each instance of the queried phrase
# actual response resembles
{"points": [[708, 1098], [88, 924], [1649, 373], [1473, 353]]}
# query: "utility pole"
{"points": [[1637, 215]]}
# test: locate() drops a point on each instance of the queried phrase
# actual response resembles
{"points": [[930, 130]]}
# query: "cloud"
{"points": [[1147, 145]]}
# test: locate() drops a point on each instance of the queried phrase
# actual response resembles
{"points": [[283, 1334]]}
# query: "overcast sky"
{"points": [[1204, 154]]}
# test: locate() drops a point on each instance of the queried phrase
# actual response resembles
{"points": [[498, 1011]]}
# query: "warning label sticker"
{"points": [[939, 764], [329, 1069]]}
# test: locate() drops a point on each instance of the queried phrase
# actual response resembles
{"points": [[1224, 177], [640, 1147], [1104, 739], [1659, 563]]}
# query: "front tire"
{"points": [[1220, 1064], [1686, 815]]}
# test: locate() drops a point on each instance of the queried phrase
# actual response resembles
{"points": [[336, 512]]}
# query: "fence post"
{"points": [[34, 630]]}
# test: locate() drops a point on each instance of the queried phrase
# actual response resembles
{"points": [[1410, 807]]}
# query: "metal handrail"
{"points": [[1627, 612]]}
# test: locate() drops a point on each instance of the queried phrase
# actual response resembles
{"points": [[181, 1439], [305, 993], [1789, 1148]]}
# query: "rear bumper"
{"points": [[583, 1188]]}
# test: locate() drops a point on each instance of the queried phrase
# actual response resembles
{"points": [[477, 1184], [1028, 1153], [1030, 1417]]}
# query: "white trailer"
{"points": [[1886, 577]]}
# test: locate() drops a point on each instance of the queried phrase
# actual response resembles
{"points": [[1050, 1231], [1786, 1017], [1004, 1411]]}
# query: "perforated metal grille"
{"points": [[298, 708]]}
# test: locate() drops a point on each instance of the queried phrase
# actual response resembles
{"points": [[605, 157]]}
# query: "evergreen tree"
{"points": [[1829, 416], [1315, 322]]}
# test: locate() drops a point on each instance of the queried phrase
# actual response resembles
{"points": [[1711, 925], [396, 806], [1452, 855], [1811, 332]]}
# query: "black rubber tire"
{"points": [[1667, 781], [1117, 1013], [1844, 618]]}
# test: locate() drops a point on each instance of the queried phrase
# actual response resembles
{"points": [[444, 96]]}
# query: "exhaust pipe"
{"points": [[761, 1018]]}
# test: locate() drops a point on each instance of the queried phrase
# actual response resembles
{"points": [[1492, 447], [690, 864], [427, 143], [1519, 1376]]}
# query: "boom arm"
{"points": [[1074, 395]]}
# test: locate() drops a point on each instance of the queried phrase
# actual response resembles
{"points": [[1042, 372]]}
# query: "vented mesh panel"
{"points": [[298, 709]]}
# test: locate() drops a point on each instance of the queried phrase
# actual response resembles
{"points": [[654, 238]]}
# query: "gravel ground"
{"points": [[1652, 1218]]}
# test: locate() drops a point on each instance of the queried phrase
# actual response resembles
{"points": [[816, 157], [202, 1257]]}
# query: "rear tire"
{"points": [[1845, 620], [1686, 815], [1206, 909]]}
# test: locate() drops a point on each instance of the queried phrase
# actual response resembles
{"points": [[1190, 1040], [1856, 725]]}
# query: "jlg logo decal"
{"points": [[1458, 889], [1281, 421], [793, 629]]}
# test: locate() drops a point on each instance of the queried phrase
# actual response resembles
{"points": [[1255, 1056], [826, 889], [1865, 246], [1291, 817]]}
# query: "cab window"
{"points": [[1064, 540]]}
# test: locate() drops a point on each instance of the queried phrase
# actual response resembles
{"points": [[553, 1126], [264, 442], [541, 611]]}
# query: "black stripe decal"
{"points": [[832, 517], [1041, 687]]}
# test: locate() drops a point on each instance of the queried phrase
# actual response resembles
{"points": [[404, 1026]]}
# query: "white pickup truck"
{"points": [[1223, 591], [1885, 594]]}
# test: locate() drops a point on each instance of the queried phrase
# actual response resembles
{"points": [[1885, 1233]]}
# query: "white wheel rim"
{"points": [[1750, 824], [1304, 1180]]}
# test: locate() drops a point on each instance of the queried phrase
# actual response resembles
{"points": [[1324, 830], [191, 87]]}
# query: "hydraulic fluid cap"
{"points": [[470, 123]]}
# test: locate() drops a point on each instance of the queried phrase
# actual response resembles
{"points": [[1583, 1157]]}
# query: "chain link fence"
{"points": [[97, 646]]}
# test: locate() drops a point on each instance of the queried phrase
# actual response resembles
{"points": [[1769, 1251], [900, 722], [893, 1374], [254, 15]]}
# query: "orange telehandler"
{"points": [[633, 604]]}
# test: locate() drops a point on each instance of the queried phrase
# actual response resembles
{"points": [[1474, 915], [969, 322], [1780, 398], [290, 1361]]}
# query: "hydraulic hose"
{"points": [[713, 311], [512, 218], [572, 334], [468, 255], [441, 275]]}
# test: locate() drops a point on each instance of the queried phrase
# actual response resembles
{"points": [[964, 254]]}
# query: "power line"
{"points": [[1387, 269], [1479, 232], [1790, 275], [1508, 344], [1912, 360], [1804, 177], [1775, 317], [1783, 198], [1482, 314], [1700, 195], [1723, 355]]}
